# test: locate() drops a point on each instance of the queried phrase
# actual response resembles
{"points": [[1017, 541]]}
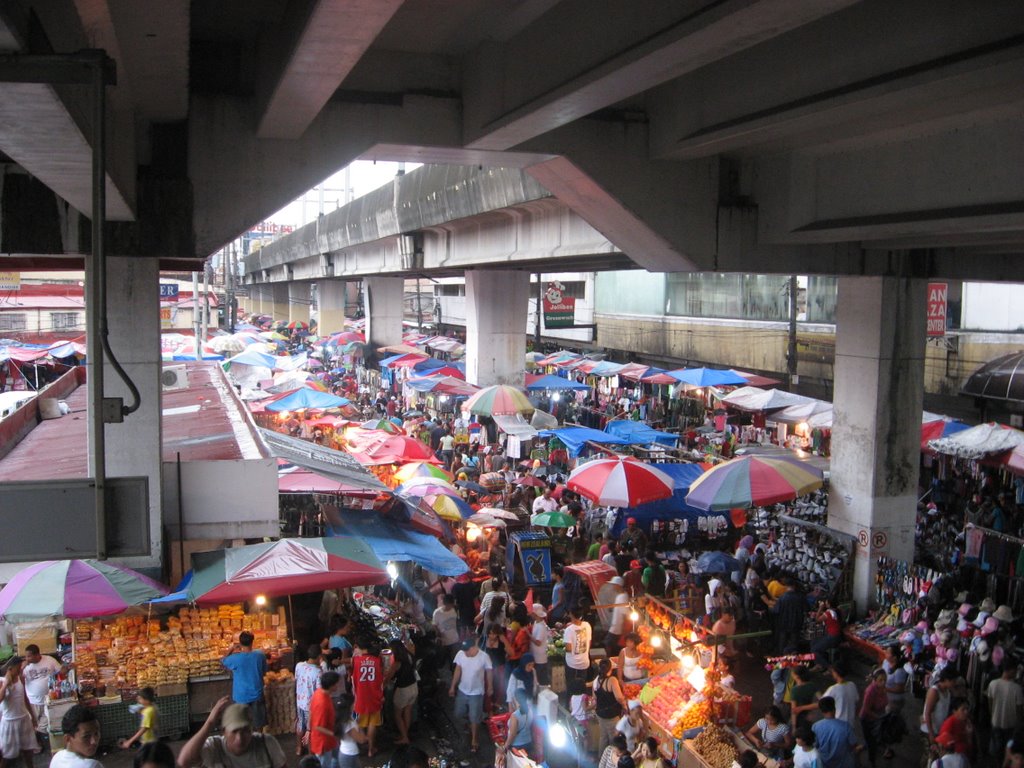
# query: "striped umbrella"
{"points": [[384, 425], [620, 482], [753, 481], [499, 400], [407, 472], [75, 589]]}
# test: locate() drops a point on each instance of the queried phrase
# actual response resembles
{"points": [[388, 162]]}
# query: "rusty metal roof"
{"points": [[204, 421]]}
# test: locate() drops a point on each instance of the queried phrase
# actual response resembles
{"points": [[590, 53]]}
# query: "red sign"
{"points": [[937, 294]]}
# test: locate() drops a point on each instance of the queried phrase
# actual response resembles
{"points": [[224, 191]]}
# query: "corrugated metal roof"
{"points": [[326, 462], [203, 422]]}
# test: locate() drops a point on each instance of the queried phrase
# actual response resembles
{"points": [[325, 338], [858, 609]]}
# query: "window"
{"points": [[457, 289], [821, 299], [13, 321], [63, 321], [741, 297], [575, 289]]}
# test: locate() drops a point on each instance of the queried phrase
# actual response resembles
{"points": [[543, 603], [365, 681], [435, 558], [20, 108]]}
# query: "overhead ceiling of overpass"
{"points": [[696, 134]]}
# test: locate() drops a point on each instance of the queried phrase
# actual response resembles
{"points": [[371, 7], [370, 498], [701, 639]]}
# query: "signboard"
{"points": [[166, 317], [937, 295], [559, 310], [534, 551], [168, 291], [10, 281]]}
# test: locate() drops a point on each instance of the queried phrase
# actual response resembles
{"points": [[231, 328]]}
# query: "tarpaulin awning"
{"points": [[935, 429], [390, 541], [304, 481], [556, 383], [640, 432], [634, 371], [306, 398], [255, 357], [284, 567], [757, 399], [674, 507], [980, 441], [575, 439], [516, 426], [606, 368], [445, 385], [326, 462], [391, 449], [707, 377]]}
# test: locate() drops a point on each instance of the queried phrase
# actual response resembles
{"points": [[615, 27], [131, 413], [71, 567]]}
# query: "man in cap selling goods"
{"points": [[239, 747], [633, 540]]}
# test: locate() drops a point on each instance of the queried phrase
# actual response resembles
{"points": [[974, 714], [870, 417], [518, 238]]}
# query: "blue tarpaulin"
{"points": [[555, 383], [640, 432], [307, 398], [429, 364], [254, 357], [390, 541], [672, 508], [576, 438]]}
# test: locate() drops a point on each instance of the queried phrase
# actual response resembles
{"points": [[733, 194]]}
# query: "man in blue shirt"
{"points": [[339, 637], [836, 741], [247, 669]]}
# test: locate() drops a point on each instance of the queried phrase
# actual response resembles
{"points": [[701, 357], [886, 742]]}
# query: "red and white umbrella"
{"points": [[622, 482]]}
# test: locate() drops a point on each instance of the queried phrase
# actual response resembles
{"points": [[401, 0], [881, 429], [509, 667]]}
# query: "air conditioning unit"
{"points": [[174, 377]]}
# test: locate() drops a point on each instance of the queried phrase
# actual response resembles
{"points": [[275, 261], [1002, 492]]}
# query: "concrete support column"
{"points": [[134, 446], [331, 317], [497, 303], [382, 305], [278, 309], [876, 435], [256, 302], [298, 302]]}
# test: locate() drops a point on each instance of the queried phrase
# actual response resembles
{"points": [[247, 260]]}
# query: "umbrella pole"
{"points": [[291, 619]]}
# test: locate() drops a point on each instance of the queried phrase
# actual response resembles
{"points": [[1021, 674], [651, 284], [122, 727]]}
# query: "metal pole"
{"points": [[196, 319], [536, 325], [97, 303], [231, 286], [206, 303], [419, 307], [791, 369], [181, 522]]}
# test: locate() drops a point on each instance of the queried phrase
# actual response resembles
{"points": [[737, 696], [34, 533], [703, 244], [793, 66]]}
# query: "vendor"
{"points": [[628, 667], [632, 540], [771, 734]]}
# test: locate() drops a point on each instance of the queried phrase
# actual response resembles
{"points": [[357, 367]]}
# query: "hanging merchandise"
{"points": [[820, 557]]}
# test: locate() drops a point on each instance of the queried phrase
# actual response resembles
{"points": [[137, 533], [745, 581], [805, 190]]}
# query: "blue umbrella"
{"points": [[717, 562], [307, 398], [553, 382], [707, 377]]}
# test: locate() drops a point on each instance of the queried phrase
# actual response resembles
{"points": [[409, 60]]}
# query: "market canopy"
{"points": [[575, 439], [284, 567], [980, 441], [392, 542], [555, 383], [75, 589], [251, 356], [637, 431], [324, 461], [999, 379], [753, 481], [757, 399], [671, 508], [707, 377], [306, 398]]}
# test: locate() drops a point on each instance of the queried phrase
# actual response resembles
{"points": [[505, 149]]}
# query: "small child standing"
{"points": [[805, 755], [147, 733]]}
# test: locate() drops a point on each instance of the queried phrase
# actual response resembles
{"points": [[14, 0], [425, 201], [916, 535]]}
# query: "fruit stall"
{"points": [[689, 688]]}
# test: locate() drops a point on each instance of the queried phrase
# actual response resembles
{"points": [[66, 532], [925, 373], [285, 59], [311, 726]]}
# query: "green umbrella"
{"points": [[553, 520]]}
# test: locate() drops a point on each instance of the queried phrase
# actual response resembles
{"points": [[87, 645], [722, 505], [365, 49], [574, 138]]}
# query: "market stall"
{"points": [[689, 688]]}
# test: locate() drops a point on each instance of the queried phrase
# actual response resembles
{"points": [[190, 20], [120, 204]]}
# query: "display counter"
{"points": [[718, 747], [868, 648], [117, 721]]}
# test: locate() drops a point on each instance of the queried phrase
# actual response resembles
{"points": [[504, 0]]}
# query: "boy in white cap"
{"points": [[539, 638]]}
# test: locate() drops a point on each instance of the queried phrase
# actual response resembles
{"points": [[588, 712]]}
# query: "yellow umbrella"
{"points": [[451, 508]]}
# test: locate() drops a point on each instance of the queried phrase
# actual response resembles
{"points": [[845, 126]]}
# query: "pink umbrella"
{"points": [[620, 482]]}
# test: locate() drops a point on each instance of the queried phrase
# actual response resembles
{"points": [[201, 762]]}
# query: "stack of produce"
{"points": [[280, 688], [556, 645], [716, 746]]}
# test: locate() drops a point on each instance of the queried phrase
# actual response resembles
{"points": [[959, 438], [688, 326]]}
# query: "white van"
{"points": [[12, 401]]}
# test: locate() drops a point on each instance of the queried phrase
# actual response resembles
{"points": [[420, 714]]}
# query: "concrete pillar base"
{"points": [[331, 311], [278, 305], [298, 302], [878, 396], [382, 304], [497, 302]]}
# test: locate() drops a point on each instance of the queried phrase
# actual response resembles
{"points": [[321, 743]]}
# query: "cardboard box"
{"points": [[45, 636], [171, 689]]}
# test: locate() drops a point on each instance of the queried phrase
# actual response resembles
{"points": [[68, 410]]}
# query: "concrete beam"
{"points": [[544, 84], [238, 177], [332, 39], [798, 91], [660, 214]]}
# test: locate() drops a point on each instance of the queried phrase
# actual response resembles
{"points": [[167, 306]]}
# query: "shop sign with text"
{"points": [[559, 310]]}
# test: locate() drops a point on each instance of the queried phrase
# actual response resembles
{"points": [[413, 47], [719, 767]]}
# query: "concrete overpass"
{"points": [[876, 140]]}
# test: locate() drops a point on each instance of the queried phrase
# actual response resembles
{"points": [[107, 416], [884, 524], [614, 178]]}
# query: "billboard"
{"points": [[10, 281], [559, 310], [937, 295]]}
